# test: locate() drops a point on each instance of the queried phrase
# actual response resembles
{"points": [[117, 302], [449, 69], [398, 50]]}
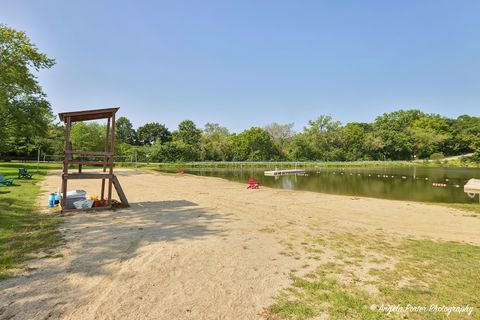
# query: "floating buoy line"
{"points": [[403, 177]]}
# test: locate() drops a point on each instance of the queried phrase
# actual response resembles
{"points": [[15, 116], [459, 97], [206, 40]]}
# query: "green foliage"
{"points": [[17, 56], [301, 149], [393, 129], [174, 151], [188, 133], [321, 140], [27, 122], [254, 144], [55, 140], [153, 132], [281, 135], [437, 156], [353, 137], [124, 131], [214, 143], [467, 131], [24, 113], [88, 136], [132, 153]]}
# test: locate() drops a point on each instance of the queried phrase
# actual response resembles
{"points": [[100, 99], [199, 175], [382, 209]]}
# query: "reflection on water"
{"points": [[409, 183]]}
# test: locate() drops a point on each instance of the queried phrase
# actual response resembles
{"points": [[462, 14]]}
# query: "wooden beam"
{"points": [[63, 200], [87, 176], [119, 189], [107, 137], [89, 153], [88, 162], [88, 114], [112, 150]]}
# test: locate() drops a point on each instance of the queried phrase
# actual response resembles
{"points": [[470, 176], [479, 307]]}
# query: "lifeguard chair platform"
{"points": [[106, 157]]}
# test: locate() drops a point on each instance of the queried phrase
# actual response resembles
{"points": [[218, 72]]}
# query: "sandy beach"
{"points": [[193, 247]]}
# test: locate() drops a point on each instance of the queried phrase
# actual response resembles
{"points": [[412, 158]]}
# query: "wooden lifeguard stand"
{"points": [[106, 156]]}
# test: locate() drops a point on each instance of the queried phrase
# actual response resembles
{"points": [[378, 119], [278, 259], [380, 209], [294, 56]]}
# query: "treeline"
{"points": [[27, 125], [399, 135]]}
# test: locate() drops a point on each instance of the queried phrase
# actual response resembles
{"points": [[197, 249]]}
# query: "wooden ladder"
{"points": [[119, 189]]}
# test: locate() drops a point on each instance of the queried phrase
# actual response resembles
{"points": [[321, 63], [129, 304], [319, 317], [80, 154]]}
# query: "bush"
{"points": [[174, 151], [437, 156], [475, 157]]}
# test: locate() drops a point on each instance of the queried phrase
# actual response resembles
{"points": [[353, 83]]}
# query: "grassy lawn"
{"points": [[23, 229], [371, 271], [473, 208]]}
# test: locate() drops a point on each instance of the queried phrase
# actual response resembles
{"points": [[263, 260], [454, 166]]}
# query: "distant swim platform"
{"points": [[283, 172]]}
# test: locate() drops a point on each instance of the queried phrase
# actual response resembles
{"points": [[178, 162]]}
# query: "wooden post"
{"points": [[65, 163], [107, 138], [112, 152]]}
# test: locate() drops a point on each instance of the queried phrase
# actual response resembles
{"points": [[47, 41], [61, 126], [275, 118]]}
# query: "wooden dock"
{"points": [[283, 172]]}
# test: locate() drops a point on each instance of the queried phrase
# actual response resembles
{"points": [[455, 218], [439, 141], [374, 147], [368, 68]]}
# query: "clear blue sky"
{"points": [[251, 62]]}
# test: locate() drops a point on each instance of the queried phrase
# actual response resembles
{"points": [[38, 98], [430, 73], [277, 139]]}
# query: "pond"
{"points": [[400, 183]]}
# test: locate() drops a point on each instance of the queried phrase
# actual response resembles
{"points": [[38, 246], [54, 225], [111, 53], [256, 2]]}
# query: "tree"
{"points": [[174, 151], [214, 143], [55, 139], [393, 129], [88, 136], [152, 132], [323, 136], [353, 136], [28, 122], [254, 144], [188, 133], [466, 130], [214, 130], [20, 92], [429, 134], [300, 148], [281, 135], [374, 146], [124, 131]]}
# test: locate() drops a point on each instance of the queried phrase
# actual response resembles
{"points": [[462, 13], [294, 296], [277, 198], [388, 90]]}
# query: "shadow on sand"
{"points": [[99, 242]]}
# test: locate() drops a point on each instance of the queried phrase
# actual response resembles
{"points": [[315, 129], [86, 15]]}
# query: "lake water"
{"points": [[405, 183]]}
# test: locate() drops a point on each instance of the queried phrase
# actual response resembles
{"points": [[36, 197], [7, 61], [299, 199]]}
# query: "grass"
{"points": [[408, 272], [23, 230], [311, 297], [468, 207]]}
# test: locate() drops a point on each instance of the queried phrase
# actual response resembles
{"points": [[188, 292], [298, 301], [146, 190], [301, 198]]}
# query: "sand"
{"points": [[198, 248]]}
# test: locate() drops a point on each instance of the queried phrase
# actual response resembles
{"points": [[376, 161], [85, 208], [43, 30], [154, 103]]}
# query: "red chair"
{"points": [[252, 184]]}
